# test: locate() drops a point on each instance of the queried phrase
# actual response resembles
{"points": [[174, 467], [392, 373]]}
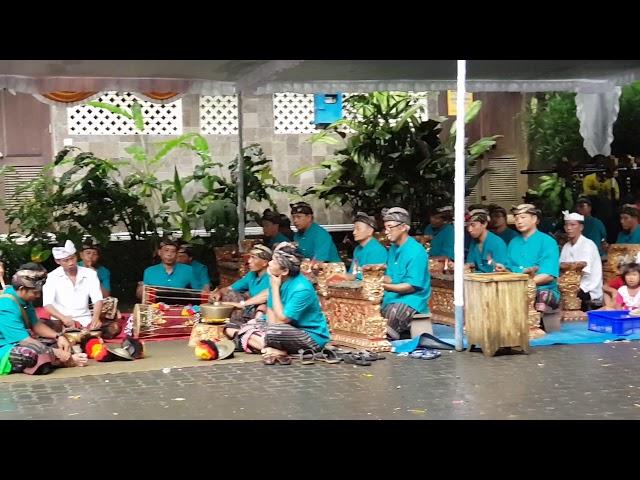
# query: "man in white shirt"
{"points": [[580, 249], [68, 289]]}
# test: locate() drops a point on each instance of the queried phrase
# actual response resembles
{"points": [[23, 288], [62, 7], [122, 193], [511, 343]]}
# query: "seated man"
{"points": [[629, 220], [442, 233], [248, 293], [407, 283], [200, 270], [594, 229], [580, 249], [285, 227], [294, 319], [314, 242], [369, 251], [486, 248], [68, 290], [534, 252], [169, 273], [498, 224], [271, 228], [25, 342], [90, 258]]}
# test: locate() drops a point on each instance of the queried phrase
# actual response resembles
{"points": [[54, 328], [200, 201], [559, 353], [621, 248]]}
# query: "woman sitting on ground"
{"points": [[294, 320]]}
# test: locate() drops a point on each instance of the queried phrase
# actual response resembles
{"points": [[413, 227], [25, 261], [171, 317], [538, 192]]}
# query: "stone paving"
{"points": [[558, 382]]}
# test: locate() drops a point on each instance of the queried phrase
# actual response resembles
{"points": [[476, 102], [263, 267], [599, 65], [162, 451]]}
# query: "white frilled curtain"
{"points": [[597, 113]]}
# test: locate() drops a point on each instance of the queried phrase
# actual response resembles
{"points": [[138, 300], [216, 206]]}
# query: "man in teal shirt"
{"points": [[629, 221], [537, 254], [200, 270], [486, 248], [407, 283], [369, 251], [169, 273], [294, 319], [23, 335], [442, 232], [248, 294], [314, 242], [90, 256], [498, 224], [594, 229], [271, 228]]}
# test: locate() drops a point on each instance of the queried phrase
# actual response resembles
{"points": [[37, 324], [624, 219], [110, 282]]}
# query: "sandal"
{"points": [[328, 356], [277, 360], [356, 359], [306, 358], [425, 354], [283, 359], [371, 356]]}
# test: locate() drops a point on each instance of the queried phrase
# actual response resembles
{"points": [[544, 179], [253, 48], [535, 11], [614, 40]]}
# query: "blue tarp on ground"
{"points": [[570, 333]]}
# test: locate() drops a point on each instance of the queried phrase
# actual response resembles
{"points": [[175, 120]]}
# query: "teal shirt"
{"points": [[200, 275], [12, 329], [373, 252], [595, 231], [302, 308], [279, 238], [409, 263], [251, 283], [316, 243], [181, 277], [104, 275], [507, 235], [429, 230], [631, 237], [493, 247], [442, 242], [539, 250]]}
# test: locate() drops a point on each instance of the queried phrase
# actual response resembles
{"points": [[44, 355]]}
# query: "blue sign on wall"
{"points": [[327, 108]]}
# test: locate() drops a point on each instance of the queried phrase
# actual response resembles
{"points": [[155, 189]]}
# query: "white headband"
{"points": [[572, 216], [64, 252]]}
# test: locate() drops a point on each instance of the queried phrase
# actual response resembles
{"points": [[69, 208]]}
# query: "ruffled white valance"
{"points": [[40, 85], [586, 86]]}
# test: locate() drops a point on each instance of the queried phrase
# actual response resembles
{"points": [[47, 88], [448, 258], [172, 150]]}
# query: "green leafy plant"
{"points": [[555, 195], [553, 131], [626, 129], [392, 157]]}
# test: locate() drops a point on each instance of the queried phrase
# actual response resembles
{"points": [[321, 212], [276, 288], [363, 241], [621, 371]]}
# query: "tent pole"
{"points": [[458, 277], [240, 184]]}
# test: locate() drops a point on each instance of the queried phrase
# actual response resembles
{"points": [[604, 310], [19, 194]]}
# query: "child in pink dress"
{"points": [[628, 297]]}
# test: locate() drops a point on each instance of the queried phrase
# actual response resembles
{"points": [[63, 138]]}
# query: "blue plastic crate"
{"points": [[618, 322]]}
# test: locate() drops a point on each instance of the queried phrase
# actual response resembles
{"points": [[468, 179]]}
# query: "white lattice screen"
{"points": [[14, 179], [160, 119], [293, 113], [219, 114]]}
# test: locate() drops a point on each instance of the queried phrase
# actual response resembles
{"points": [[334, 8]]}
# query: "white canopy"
{"points": [[216, 77]]}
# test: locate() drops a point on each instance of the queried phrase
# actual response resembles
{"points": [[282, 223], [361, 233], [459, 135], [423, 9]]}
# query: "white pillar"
{"points": [[458, 277]]}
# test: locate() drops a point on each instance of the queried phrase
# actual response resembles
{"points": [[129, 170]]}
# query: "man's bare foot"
{"points": [[269, 351], [79, 359]]}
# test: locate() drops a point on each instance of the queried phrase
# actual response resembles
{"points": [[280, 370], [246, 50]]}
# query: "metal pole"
{"points": [[458, 277], [240, 184]]}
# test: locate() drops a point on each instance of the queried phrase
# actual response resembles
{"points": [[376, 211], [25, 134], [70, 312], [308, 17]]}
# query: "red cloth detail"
{"points": [[616, 282]]}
